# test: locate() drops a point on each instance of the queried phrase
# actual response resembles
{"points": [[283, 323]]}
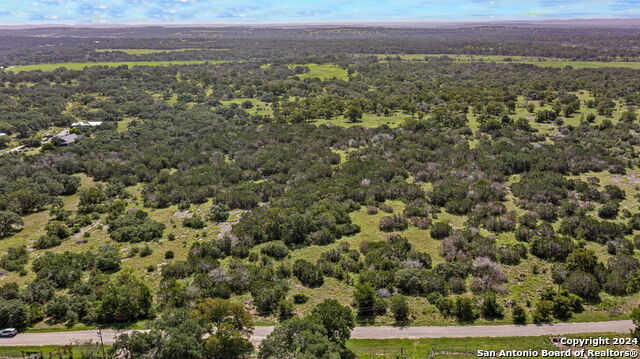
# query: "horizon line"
{"points": [[326, 23]]}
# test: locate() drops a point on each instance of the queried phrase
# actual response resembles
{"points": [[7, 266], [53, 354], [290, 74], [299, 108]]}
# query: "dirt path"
{"points": [[108, 336]]}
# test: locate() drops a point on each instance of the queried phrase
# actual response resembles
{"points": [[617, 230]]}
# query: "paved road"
{"points": [[108, 336]]}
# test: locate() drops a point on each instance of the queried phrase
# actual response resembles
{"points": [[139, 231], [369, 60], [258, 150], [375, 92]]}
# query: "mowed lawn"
{"points": [[82, 65]]}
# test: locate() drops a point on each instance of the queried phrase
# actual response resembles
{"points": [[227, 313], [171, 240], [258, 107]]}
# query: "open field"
{"points": [[82, 65], [323, 72], [530, 60], [461, 347]]}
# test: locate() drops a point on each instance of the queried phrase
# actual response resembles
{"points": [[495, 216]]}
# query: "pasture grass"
{"points": [[460, 347], [323, 72], [530, 60], [368, 120], [259, 107]]}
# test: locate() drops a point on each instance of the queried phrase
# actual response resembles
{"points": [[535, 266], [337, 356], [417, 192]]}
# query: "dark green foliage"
{"points": [[124, 299], [308, 273], [519, 315], [546, 116], [609, 210], [338, 320], [146, 251], [364, 300], [440, 230], [194, 222], [219, 212], [267, 295], [511, 253], [9, 222], [277, 250], [135, 226], [47, 241], [465, 309], [300, 298], [13, 314], [553, 249], [542, 312], [400, 308], [490, 308], [15, 259]]}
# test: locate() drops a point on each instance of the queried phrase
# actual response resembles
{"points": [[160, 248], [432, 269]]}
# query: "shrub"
{"points": [[13, 314], [300, 298], [371, 210], [15, 259], [554, 248], [45, 242], [440, 230], [168, 255], [135, 226], [146, 251], [195, 222], [393, 223], [542, 312], [609, 210], [219, 212], [422, 223], [276, 249], [519, 315], [511, 253], [308, 273], [399, 308], [285, 309], [490, 308], [582, 284], [385, 208], [267, 295], [364, 298], [465, 310]]}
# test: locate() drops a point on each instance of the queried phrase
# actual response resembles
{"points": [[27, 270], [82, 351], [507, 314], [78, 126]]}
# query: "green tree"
{"points": [[399, 308], [229, 325], [519, 315], [353, 113], [9, 222], [364, 299], [124, 299], [301, 338], [465, 309], [337, 320]]}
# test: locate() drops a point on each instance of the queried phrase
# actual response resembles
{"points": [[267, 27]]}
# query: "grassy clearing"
{"points": [[259, 107], [324, 72], [531, 60], [82, 65], [460, 347], [368, 120]]}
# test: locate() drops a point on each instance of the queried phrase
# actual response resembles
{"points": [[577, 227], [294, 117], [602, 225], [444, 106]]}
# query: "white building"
{"points": [[88, 123]]}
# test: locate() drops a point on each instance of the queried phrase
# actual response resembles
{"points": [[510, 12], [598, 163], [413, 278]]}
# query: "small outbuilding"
{"points": [[66, 139]]}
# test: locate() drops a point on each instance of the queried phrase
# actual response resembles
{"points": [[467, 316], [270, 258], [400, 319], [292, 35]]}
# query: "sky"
{"points": [[20, 12]]}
